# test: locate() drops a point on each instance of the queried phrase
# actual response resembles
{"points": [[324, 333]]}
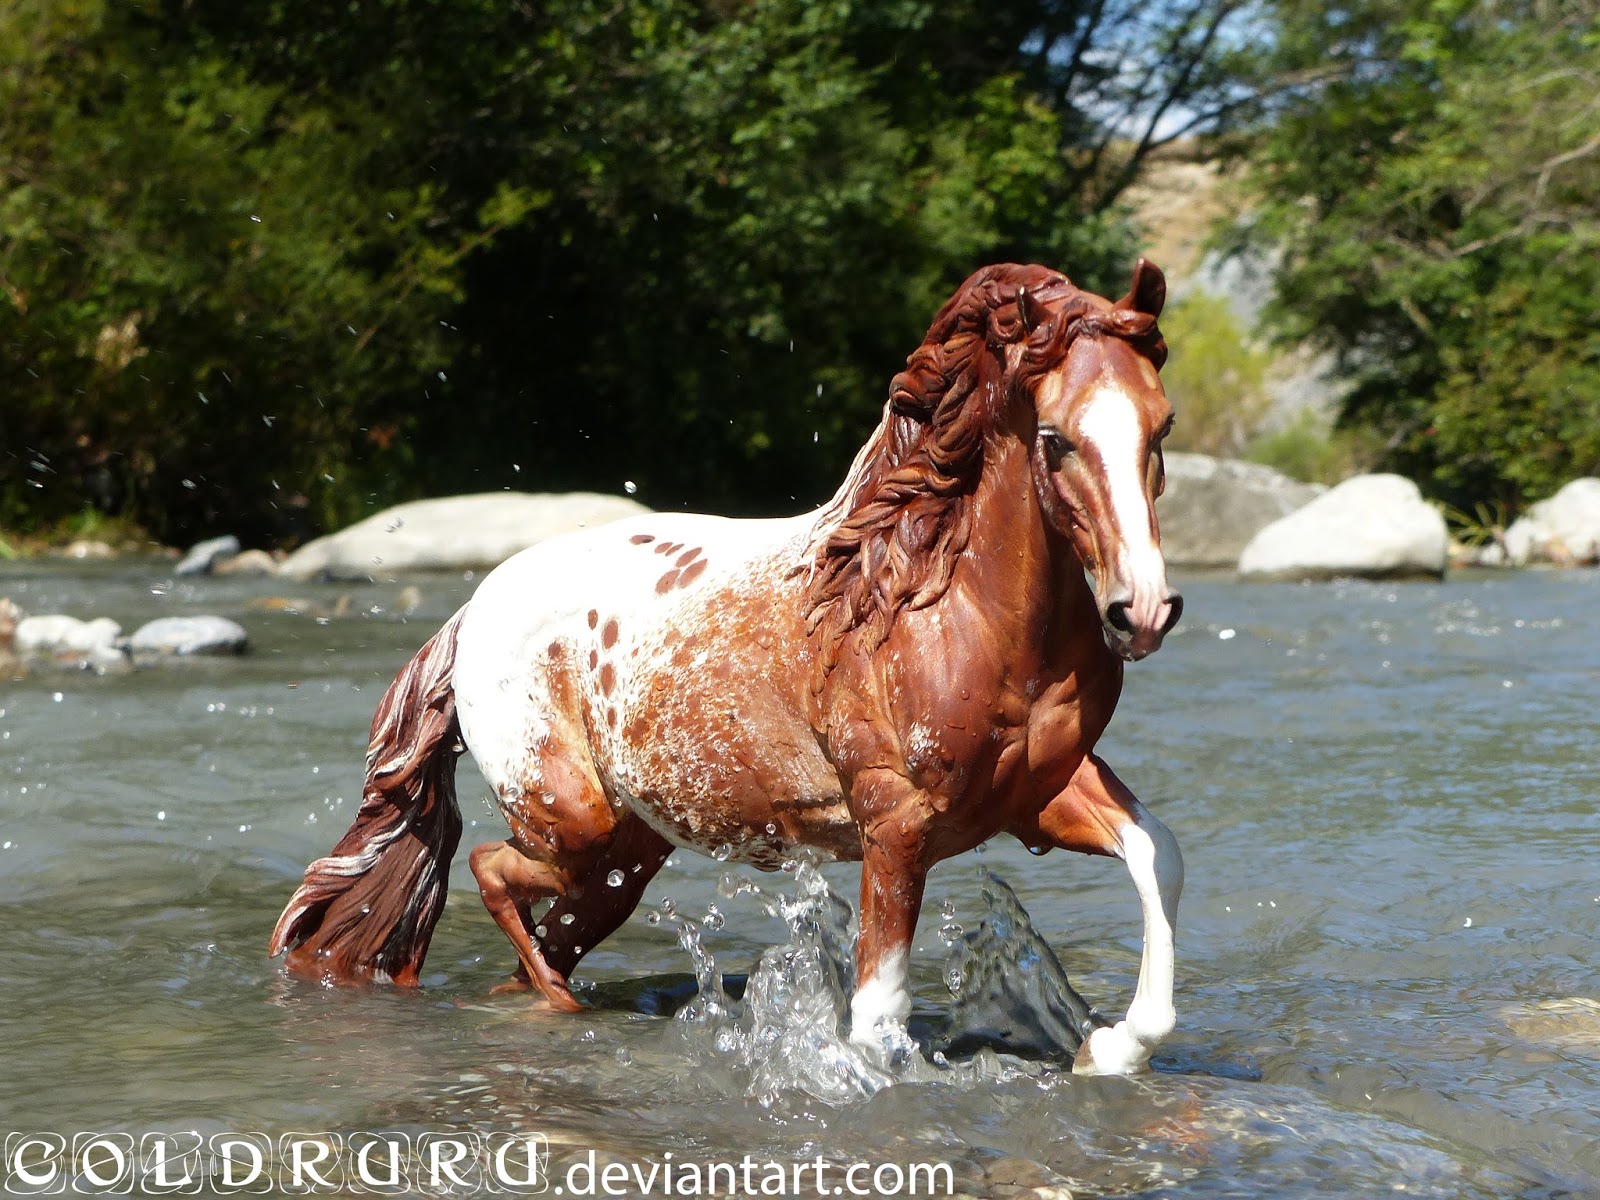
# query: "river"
{"points": [[1389, 949]]}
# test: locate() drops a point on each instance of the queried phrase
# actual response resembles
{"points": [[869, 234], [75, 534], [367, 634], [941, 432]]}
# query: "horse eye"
{"points": [[1055, 443]]}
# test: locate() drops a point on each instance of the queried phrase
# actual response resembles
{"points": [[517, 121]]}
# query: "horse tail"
{"points": [[366, 912]]}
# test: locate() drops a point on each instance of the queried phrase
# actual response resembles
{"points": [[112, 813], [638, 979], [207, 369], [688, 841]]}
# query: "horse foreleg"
{"points": [[893, 875], [1097, 814], [510, 883]]}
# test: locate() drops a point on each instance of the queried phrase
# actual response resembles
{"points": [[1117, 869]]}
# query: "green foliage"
{"points": [[265, 266], [1214, 376], [1306, 449], [1434, 178]]}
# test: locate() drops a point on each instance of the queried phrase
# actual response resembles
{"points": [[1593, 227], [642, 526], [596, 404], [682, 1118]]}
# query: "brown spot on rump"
{"points": [[642, 539], [611, 717], [608, 635], [666, 583], [594, 659], [594, 617], [553, 650], [688, 556], [608, 678], [692, 572], [664, 548]]}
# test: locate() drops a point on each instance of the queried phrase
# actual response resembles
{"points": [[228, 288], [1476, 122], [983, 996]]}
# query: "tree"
{"points": [[269, 265], [1435, 185]]}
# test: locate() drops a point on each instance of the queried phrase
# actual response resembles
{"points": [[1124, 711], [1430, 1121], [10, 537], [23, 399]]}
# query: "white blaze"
{"points": [[1110, 423]]}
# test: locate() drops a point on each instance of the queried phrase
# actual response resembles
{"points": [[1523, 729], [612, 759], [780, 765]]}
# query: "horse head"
{"points": [[1097, 465]]}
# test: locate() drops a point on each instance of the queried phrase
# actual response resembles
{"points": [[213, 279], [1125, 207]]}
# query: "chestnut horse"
{"points": [[921, 664]]}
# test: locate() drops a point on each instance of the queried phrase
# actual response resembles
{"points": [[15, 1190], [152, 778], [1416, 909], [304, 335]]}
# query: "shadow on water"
{"points": [[1387, 955]]}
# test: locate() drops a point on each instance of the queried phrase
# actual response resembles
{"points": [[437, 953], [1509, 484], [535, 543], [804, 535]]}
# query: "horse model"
{"points": [[923, 663]]}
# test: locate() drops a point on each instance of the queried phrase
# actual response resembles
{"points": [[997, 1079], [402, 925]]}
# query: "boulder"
{"points": [[458, 533], [203, 557], [1371, 526], [248, 564], [60, 636], [1213, 506], [187, 636], [1565, 529]]}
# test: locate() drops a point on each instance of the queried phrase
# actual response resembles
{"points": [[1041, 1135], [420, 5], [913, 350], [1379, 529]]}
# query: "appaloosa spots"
{"points": [[594, 659], [692, 572], [594, 617], [608, 678], [642, 539], [688, 556], [608, 635]]}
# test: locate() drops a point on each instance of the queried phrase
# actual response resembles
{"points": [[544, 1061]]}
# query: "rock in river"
{"points": [[458, 533], [187, 636], [1565, 529], [1214, 506], [1371, 526], [203, 557], [59, 636]]}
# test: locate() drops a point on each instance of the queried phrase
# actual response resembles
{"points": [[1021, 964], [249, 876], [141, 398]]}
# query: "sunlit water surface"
{"points": [[1389, 951]]}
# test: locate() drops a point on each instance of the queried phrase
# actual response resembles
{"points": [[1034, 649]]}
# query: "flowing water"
{"points": [[1389, 952]]}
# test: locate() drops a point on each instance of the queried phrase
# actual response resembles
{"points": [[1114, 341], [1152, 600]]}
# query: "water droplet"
{"points": [[588, 1036], [1038, 851], [540, 931], [950, 932], [772, 827], [722, 853], [947, 908], [630, 487], [567, 918], [615, 879], [652, 917], [714, 919], [669, 906], [624, 1056]]}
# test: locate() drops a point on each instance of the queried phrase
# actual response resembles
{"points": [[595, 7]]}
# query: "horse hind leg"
{"points": [[562, 826], [1097, 814], [599, 903], [510, 883]]}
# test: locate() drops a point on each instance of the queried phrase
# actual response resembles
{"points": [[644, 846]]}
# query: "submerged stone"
{"points": [[188, 636]]}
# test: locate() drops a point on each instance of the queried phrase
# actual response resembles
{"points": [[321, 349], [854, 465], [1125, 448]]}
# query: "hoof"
{"points": [[1111, 1050]]}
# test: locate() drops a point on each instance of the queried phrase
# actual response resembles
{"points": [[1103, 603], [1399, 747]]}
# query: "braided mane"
{"points": [[905, 510]]}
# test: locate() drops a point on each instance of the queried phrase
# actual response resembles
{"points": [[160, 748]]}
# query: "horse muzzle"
{"points": [[1135, 625]]}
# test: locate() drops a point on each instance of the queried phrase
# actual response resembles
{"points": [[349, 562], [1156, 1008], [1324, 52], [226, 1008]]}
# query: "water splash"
{"points": [[1010, 989], [789, 1032]]}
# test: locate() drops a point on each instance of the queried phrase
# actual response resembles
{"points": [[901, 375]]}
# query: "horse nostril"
{"points": [[1117, 616], [1175, 603]]}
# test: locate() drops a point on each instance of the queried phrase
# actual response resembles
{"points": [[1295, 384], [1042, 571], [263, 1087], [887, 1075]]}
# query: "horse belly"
{"points": [[716, 756]]}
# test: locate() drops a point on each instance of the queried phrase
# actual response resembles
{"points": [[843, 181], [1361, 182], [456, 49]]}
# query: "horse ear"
{"points": [[1149, 290], [1033, 311]]}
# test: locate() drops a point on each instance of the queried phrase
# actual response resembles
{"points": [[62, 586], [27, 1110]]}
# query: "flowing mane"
{"points": [[904, 514]]}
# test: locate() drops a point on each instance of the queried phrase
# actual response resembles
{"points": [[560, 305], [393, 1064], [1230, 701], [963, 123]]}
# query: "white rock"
{"points": [[1564, 529], [60, 635], [188, 636], [203, 557], [457, 533], [1214, 506], [1371, 526]]}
